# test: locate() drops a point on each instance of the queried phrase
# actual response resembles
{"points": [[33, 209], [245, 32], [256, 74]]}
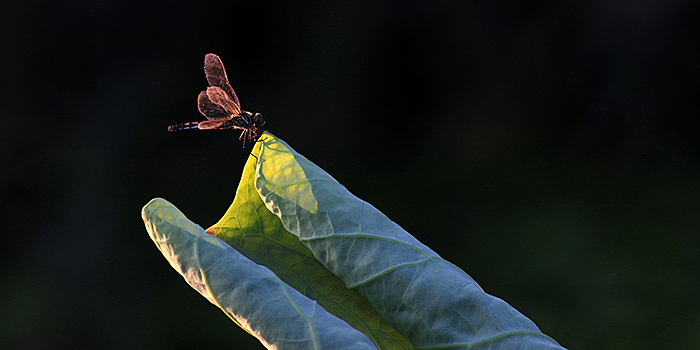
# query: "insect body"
{"points": [[220, 105]]}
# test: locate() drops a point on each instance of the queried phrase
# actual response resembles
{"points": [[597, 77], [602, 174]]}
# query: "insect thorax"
{"points": [[244, 120], [247, 120]]}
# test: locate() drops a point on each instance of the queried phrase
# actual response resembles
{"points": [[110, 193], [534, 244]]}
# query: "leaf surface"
{"points": [[250, 294], [429, 300], [250, 228]]}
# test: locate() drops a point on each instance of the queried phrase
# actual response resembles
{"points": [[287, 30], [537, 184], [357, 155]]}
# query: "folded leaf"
{"points": [[429, 300], [250, 294], [250, 228]]}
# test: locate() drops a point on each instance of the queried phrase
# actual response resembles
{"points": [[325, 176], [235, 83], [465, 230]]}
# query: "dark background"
{"points": [[548, 148]]}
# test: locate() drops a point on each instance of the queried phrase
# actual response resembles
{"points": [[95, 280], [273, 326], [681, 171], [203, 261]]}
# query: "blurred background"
{"points": [[548, 148]]}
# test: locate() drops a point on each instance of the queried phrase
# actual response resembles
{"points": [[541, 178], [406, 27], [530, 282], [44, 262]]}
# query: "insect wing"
{"points": [[210, 109], [216, 76], [212, 124], [218, 96]]}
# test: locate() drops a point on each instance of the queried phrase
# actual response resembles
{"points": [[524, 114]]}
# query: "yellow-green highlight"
{"points": [[249, 227]]}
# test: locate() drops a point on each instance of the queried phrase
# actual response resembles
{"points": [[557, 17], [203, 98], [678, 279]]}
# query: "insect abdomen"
{"points": [[183, 126]]}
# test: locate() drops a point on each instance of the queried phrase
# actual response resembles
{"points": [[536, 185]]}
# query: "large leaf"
{"points": [[289, 215], [429, 300], [249, 227], [250, 294]]}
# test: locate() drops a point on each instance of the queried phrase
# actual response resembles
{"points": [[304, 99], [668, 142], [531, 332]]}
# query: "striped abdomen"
{"points": [[183, 126]]}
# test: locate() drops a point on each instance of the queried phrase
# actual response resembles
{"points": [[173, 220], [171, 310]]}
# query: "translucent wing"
{"points": [[218, 96], [210, 109], [216, 76], [212, 124]]}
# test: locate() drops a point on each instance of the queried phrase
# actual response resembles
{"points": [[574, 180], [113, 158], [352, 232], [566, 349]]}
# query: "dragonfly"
{"points": [[220, 105]]}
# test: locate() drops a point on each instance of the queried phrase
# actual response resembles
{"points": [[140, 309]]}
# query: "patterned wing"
{"points": [[210, 109], [211, 124], [216, 76], [218, 96]]}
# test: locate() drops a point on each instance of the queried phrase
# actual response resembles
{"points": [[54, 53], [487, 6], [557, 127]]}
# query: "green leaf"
{"points": [[250, 294], [429, 300], [292, 217], [250, 228]]}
